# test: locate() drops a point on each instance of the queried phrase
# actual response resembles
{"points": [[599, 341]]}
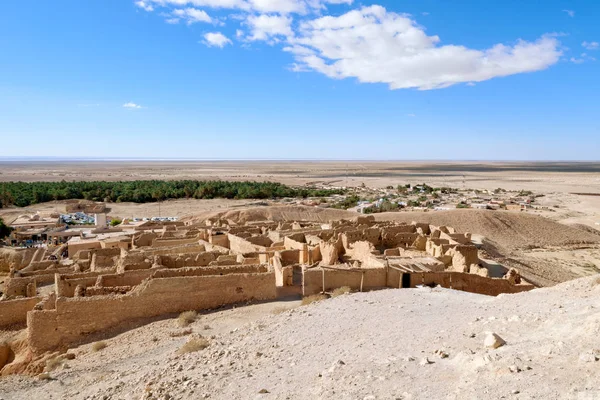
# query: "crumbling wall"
{"points": [[73, 318], [15, 258], [143, 239], [468, 282], [463, 256], [312, 279], [221, 240], [15, 311], [188, 260], [66, 287], [243, 246], [394, 229], [331, 251], [399, 239], [16, 286], [129, 278], [158, 242], [262, 241]]}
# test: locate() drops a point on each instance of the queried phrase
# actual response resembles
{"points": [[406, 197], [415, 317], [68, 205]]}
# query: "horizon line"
{"points": [[188, 159]]}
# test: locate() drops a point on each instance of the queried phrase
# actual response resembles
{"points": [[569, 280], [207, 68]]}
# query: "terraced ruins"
{"points": [[143, 270]]}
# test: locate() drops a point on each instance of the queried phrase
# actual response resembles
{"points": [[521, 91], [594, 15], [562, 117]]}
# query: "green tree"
{"points": [[5, 230]]}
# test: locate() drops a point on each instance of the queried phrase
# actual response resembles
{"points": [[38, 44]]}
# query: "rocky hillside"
{"points": [[390, 344]]}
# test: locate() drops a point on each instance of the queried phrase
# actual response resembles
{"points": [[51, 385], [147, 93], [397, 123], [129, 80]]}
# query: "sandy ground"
{"points": [[390, 344], [557, 181], [543, 177]]}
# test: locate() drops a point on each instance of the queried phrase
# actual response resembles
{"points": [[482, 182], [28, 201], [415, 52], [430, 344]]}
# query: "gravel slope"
{"points": [[360, 346]]}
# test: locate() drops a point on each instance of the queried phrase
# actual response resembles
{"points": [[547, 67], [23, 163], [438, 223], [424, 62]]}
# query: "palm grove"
{"points": [[22, 194]]}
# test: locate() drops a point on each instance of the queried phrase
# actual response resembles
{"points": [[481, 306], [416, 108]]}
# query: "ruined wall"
{"points": [[75, 317], [143, 239], [15, 258], [15, 311], [188, 260], [219, 240], [331, 251], [463, 256], [289, 257], [16, 286], [291, 243], [399, 239], [129, 278], [73, 247], [204, 271], [242, 246], [312, 279], [262, 241], [392, 230], [195, 247], [468, 283], [66, 287], [158, 242]]}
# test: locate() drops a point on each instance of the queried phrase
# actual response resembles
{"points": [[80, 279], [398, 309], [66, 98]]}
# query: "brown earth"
{"points": [[390, 344]]}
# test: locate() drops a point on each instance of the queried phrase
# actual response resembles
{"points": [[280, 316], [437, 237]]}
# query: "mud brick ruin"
{"points": [[149, 269]]}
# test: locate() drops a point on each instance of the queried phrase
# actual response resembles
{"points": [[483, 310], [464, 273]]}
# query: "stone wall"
{"points": [[73, 318], [243, 246], [15, 311], [374, 278], [468, 282]]}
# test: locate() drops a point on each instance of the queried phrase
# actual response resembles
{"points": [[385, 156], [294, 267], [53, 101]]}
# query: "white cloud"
{"points": [[377, 46], [145, 5], [261, 6], [266, 27], [216, 39], [132, 106], [582, 58], [279, 6], [411, 115], [570, 13], [591, 45], [201, 3], [192, 15], [366, 43]]}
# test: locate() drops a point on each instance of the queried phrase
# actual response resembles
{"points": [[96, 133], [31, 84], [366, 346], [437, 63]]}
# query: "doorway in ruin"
{"points": [[297, 275], [405, 280]]}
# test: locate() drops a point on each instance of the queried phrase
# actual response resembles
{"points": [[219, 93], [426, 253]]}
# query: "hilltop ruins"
{"points": [[148, 269]]}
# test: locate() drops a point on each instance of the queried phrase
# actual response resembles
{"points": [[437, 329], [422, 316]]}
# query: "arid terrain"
{"points": [[391, 344], [423, 343], [570, 191]]}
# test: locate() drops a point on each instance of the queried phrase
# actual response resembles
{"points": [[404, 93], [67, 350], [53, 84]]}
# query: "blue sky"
{"points": [[300, 79]]}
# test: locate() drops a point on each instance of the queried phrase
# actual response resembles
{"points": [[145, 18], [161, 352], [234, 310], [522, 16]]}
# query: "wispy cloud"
{"points": [[591, 45], [145, 5], [216, 39], [132, 106], [411, 115], [192, 15], [570, 13]]}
